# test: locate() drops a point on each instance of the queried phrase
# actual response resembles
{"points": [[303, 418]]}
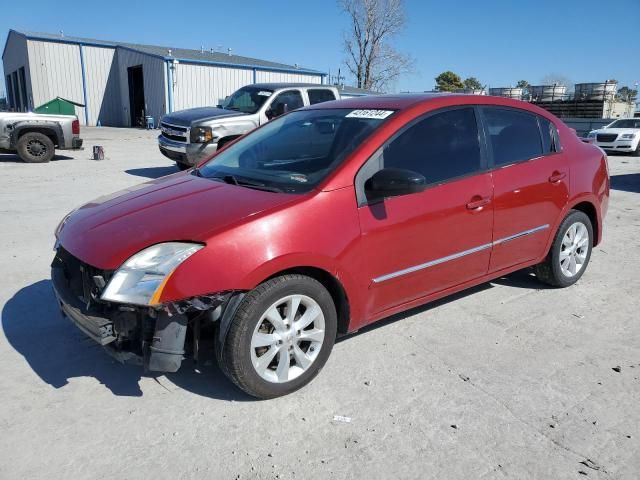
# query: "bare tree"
{"points": [[370, 57]]}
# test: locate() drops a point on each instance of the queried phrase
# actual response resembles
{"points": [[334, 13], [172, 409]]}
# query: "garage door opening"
{"points": [[136, 96]]}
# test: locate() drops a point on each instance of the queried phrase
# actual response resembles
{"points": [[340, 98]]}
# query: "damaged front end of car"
{"points": [[158, 336]]}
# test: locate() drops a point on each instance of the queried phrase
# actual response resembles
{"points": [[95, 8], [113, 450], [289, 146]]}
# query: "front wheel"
{"points": [[570, 252], [280, 337]]}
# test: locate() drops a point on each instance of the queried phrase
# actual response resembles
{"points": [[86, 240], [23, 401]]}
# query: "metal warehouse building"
{"points": [[116, 81]]}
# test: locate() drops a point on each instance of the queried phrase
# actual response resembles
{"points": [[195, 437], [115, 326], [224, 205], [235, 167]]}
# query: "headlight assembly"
{"points": [[201, 134], [628, 136], [141, 279]]}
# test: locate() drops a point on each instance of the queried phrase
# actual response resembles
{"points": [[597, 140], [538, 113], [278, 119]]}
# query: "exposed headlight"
{"points": [[592, 134], [628, 136], [141, 279], [201, 134]]}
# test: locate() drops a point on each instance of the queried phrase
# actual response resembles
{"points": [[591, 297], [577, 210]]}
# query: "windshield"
{"points": [[296, 152], [626, 123], [247, 99]]}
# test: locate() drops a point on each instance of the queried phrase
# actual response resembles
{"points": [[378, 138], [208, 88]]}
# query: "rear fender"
{"points": [[51, 129]]}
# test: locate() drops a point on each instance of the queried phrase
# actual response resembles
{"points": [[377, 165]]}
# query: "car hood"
{"points": [[618, 130], [108, 230], [185, 118]]}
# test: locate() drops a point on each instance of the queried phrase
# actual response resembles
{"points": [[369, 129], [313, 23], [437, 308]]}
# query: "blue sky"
{"points": [[499, 42]]}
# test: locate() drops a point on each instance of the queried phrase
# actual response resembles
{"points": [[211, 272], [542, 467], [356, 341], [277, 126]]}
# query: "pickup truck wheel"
{"points": [[280, 337], [34, 147], [570, 252]]}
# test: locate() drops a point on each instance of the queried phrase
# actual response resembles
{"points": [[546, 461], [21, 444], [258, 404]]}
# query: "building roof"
{"points": [[355, 91], [174, 53]]}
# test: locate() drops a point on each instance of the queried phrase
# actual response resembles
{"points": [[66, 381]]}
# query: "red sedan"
{"points": [[323, 221]]}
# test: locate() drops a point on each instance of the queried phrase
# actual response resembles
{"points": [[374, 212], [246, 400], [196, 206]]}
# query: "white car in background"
{"points": [[623, 135]]}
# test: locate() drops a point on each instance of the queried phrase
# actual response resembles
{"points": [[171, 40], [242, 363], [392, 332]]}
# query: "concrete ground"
{"points": [[508, 380]]}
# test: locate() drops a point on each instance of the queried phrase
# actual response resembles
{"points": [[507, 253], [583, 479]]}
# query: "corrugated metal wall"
{"points": [[55, 72], [267, 77], [154, 73], [54, 69], [204, 85], [14, 58], [103, 94]]}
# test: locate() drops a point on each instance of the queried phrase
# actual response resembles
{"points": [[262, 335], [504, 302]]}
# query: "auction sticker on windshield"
{"points": [[264, 93], [374, 114]]}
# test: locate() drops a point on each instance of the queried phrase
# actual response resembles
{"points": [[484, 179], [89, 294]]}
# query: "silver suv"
{"points": [[189, 136]]}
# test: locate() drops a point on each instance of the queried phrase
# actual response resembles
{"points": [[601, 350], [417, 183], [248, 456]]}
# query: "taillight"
{"points": [[75, 127]]}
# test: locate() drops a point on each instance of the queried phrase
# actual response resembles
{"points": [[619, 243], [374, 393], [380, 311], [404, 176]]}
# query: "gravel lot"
{"points": [[508, 380]]}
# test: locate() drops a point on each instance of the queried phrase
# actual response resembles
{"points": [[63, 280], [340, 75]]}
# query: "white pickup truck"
{"points": [[623, 135], [189, 136], [35, 136]]}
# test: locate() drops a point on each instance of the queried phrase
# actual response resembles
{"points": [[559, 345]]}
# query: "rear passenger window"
{"points": [[440, 147], [514, 135], [549, 136], [320, 95]]}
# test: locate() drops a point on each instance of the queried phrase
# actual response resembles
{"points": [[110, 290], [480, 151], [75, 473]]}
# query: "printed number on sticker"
{"points": [[374, 114]]}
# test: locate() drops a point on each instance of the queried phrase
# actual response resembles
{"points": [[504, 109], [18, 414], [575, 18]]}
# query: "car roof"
{"points": [[405, 101], [280, 85]]}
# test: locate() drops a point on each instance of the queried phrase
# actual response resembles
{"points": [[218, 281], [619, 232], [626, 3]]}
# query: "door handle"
{"points": [[557, 176], [478, 202]]}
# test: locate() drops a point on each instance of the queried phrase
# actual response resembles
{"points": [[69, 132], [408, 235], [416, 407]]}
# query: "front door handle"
{"points": [[557, 176], [478, 202]]}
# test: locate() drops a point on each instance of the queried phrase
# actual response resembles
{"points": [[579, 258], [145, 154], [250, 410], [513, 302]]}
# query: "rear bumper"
{"points": [[187, 153], [76, 143]]}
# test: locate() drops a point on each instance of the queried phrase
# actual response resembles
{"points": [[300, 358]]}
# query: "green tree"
{"points": [[522, 84], [627, 94], [448, 82], [472, 83]]}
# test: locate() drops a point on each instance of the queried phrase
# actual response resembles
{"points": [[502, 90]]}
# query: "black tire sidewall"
{"points": [[573, 217], [26, 156], [245, 323]]}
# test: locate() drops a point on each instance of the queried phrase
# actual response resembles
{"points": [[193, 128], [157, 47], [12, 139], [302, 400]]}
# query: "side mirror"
{"points": [[392, 182]]}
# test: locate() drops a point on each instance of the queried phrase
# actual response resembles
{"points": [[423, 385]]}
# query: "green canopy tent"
{"points": [[59, 106]]}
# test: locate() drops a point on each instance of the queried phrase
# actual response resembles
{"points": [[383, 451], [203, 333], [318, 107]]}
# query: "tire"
{"points": [[34, 147], [182, 166], [280, 348], [636, 152], [557, 270]]}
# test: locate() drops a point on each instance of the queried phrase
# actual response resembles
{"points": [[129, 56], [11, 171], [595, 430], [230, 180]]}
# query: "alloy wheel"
{"points": [[36, 148], [287, 339], [574, 249]]}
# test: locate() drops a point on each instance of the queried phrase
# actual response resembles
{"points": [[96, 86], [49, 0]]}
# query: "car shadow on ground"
{"points": [[627, 183], [152, 172], [13, 158], [520, 279], [57, 351]]}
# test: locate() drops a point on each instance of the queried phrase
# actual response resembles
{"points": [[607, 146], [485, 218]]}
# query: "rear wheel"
{"points": [[280, 337], [570, 252], [34, 147]]}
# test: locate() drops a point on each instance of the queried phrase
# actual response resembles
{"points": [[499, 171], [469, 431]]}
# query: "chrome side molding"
{"points": [[438, 261]]}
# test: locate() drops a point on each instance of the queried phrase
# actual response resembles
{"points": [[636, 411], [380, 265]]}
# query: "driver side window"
{"points": [[440, 147], [285, 102]]}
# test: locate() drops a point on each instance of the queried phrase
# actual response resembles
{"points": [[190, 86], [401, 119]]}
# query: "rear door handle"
{"points": [[557, 176], [477, 202]]}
